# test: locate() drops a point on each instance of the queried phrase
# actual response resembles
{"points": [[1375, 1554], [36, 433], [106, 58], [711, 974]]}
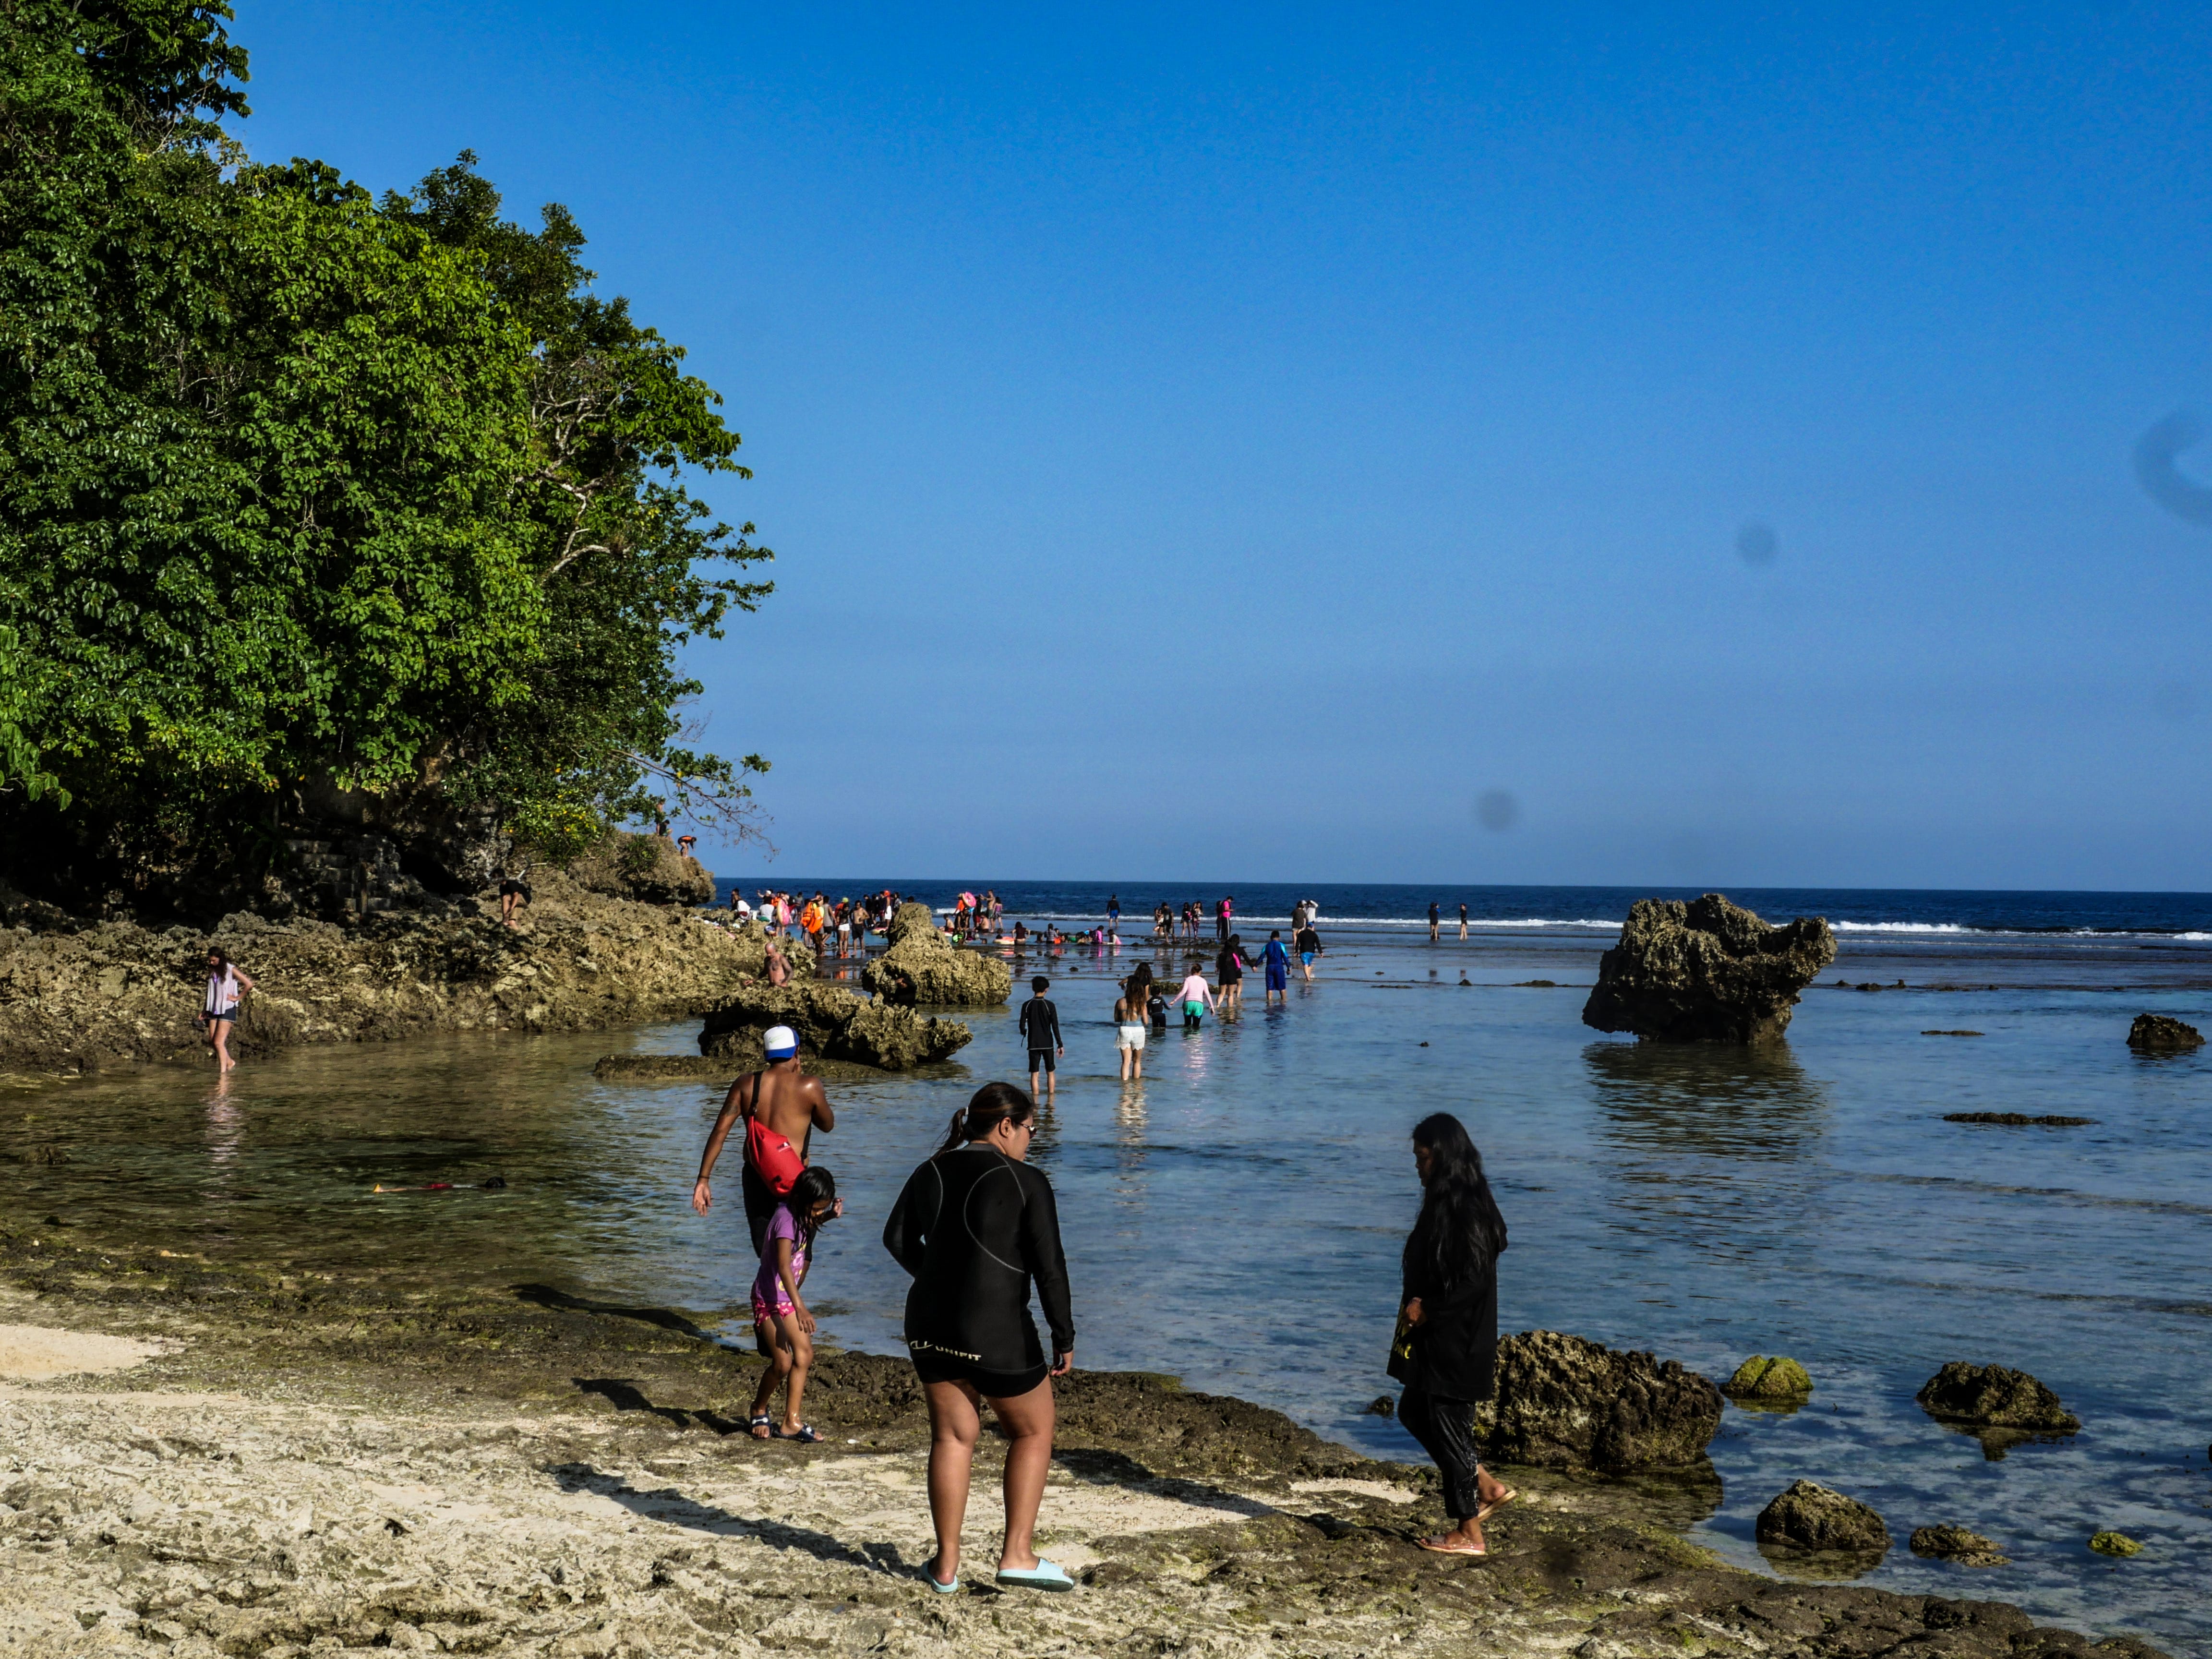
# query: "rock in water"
{"points": [[1707, 971], [1811, 1516], [2114, 1543], [1968, 1549], [1565, 1403], [1992, 1396], [833, 1024], [1760, 1378], [2158, 1031], [924, 966]]}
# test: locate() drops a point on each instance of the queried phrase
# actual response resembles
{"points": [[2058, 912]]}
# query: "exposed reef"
{"points": [[1994, 1397], [1564, 1402], [2160, 1031], [1706, 971], [833, 1023], [923, 966]]}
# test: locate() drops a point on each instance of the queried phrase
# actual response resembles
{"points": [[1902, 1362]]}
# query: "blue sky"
{"points": [[1217, 444]]}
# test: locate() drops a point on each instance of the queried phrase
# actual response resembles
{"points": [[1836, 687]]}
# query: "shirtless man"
{"points": [[787, 1102]]}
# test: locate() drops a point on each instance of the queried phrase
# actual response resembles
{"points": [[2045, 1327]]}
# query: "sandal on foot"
{"points": [[762, 1427], [804, 1434], [929, 1576], [1045, 1576], [1436, 1546], [1496, 1504]]}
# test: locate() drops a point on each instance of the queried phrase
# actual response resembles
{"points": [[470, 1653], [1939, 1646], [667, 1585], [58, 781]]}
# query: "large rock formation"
{"points": [[76, 998], [1812, 1517], [833, 1023], [1994, 1397], [1707, 971], [924, 966], [1564, 1402], [647, 868], [2157, 1031]]}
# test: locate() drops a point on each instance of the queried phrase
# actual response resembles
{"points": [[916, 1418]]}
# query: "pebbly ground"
{"points": [[274, 1463]]}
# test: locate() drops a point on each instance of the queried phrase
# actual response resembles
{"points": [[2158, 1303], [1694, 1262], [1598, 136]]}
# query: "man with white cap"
{"points": [[781, 1107]]}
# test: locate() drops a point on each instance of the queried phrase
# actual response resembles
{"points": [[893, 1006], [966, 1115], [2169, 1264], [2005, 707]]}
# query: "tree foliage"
{"points": [[300, 490]]}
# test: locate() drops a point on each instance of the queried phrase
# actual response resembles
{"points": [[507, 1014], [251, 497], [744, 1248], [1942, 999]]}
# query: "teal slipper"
{"points": [[929, 1578], [1045, 1576]]}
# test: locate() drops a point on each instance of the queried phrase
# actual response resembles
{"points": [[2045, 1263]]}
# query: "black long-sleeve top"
{"points": [[1040, 1023], [975, 1227], [1456, 1344]]}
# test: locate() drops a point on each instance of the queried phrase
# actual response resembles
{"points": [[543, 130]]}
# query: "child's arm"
{"points": [[791, 1283]]}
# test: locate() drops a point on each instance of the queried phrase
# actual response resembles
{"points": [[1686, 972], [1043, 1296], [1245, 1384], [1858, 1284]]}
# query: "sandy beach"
{"points": [[198, 1460]]}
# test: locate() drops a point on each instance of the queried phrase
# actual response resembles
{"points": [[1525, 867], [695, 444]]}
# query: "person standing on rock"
{"points": [[1040, 1023], [226, 984], [1446, 1351], [781, 1107], [975, 1226]]}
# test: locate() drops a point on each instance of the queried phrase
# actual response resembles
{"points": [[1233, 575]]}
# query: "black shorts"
{"points": [[1040, 1060], [933, 1367]]}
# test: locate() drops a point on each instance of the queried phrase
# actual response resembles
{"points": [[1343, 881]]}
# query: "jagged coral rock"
{"points": [[1706, 971]]}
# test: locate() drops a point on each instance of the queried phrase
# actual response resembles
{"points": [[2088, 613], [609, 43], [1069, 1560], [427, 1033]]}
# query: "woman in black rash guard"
{"points": [[1450, 1310], [975, 1225]]}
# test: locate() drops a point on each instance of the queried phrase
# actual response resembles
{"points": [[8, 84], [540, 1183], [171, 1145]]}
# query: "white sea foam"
{"points": [[1903, 928]]}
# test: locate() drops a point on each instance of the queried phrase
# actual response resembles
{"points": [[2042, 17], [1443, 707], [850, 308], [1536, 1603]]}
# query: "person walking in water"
{"points": [[1229, 971], [1463, 921], [1436, 921], [1197, 997], [226, 984], [1113, 915], [1221, 914], [777, 1310], [781, 1107], [1277, 958], [1040, 1023], [975, 1226], [1308, 947], [1130, 1019], [1446, 1352]]}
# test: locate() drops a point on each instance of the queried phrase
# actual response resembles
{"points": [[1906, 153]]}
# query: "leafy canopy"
{"points": [[302, 490]]}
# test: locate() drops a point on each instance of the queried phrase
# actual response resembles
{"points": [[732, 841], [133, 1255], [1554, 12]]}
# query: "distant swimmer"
{"points": [[1277, 957]]}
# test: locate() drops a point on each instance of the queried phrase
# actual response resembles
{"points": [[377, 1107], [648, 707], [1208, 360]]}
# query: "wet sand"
{"points": [[311, 1462]]}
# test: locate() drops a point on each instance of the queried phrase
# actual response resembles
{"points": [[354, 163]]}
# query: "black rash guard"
{"points": [[974, 1227], [1040, 1023]]}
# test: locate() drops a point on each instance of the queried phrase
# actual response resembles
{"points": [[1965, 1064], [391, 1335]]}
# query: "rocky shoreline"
{"points": [[516, 1468]]}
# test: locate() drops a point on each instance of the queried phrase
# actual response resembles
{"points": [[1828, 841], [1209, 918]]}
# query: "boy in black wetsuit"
{"points": [[1040, 1023]]}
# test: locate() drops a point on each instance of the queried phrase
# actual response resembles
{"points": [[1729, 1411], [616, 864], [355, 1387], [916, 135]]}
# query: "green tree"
{"points": [[302, 490]]}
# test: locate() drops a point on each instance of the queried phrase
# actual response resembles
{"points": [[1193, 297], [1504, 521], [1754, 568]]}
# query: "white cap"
{"points": [[780, 1041]]}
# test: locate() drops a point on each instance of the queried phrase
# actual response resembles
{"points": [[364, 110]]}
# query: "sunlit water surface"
{"points": [[1236, 1219]]}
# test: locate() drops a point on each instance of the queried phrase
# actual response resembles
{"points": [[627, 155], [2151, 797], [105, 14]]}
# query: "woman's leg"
{"points": [[800, 1347], [219, 1033], [1029, 1418], [953, 1427], [1446, 1429]]}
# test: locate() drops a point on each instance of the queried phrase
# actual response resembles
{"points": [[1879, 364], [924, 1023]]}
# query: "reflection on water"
{"points": [[1711, 1098], [1236, 1220]]}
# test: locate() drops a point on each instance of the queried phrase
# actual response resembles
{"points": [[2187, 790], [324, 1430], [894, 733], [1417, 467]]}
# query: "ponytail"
{"points": [[994, 1103]]}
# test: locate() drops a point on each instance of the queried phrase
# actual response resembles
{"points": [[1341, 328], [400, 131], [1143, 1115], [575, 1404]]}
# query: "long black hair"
{"points": [[994, 1103], [1460, 1231], [814, 1184]]}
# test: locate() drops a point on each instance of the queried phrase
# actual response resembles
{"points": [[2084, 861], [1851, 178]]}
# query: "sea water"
{"points": [[1236, 1219]]}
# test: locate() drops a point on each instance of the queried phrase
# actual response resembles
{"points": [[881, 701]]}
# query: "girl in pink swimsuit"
{"points": [[786, 1329]]}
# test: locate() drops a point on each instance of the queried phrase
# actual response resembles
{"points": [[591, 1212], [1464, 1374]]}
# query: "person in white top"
{"points": [[226, 984]]}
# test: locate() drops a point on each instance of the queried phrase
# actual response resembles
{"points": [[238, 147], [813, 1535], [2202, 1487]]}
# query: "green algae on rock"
{"points": [[2117, 1543], [1761, 1379], [1968, 1549], [1808, 1515], [1565, 1402], [1994, 1397]]}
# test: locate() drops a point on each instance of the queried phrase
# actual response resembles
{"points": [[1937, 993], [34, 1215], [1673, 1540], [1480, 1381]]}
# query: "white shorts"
{"points": [[1130, 1036]]}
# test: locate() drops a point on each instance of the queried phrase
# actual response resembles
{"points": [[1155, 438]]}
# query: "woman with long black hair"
{"points": [[976, 1226], [1447, 1352]]}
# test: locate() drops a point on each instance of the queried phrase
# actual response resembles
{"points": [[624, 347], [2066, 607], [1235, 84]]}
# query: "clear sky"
{"points": [[1224, 444]]}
